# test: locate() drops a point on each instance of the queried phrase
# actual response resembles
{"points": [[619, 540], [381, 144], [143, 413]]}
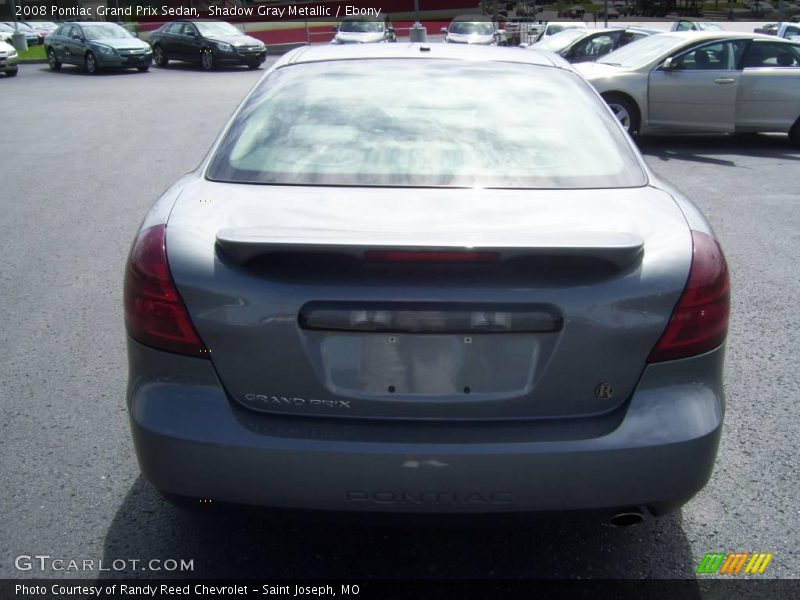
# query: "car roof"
{"points": [[321, 53], [90, 23], [701, 35]]}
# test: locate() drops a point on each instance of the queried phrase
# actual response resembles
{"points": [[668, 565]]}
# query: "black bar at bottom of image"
{"points": [[368, 589]]}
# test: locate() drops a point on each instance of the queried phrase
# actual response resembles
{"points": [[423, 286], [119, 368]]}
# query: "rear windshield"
{"points": [[425, 122]]}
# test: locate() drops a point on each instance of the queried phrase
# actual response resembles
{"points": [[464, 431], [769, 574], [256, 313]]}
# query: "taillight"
{"points": [[699, 322], [154, 312]]}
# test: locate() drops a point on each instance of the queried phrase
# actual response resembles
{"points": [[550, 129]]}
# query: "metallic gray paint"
{"points": [[554, 446], [240, 311], [657, 450]]}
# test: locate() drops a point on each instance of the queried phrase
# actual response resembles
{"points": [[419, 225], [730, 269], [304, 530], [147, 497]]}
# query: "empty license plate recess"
{"points": [[435, 366]]}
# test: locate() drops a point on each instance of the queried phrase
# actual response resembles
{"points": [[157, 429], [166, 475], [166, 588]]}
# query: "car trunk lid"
{"points": [[428, 303]]}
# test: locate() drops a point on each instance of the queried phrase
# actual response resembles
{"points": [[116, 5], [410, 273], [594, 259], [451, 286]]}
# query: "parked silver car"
{"points": [[468, 29], [8, 59], [372, 297], [702, 82], [363, 30]]}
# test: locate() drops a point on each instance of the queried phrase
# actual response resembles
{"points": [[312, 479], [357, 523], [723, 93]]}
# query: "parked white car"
{"points": [[8, 59], [789, 31]]}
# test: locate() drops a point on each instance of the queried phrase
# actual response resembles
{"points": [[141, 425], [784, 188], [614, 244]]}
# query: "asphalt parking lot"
{"points": [[82, 160]]}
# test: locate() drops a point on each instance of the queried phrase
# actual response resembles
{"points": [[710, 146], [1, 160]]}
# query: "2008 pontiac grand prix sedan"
{"points": [[417, 278]]}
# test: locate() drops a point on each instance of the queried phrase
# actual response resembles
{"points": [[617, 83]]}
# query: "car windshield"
{"points": [[559, 41], [361, 27], [641, 52], [105, 31], [554, 29], [376, 123], [216, 28], [477, 28], [4, 27], [708, 27]]}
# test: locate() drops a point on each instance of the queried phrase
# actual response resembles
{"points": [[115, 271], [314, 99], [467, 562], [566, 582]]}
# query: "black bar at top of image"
{"points": [[652, 10], [645, 589]]}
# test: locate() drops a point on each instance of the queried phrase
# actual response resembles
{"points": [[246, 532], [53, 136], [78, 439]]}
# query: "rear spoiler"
{"points": [[620, 249]]}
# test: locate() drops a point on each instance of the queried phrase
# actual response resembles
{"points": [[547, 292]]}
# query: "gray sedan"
{"points": [[703, 82], [369, 297], [96, 46]]}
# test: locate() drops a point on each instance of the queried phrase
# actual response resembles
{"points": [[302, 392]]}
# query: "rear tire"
{"points": [[12, 73], [159, 56], [52, 61], [90, 64], [143, 68], [626, 112], [207, 59], [794, 134]]}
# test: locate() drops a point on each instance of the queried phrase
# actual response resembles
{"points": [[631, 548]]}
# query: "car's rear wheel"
{"points": [[54, 63], [143, 68], [207, 59], [159, 56], [794, 133], [90, 63], [625, 110], [12, 73]]}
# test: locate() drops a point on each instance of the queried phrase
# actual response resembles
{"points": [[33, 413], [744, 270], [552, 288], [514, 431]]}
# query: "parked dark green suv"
{"points": [[96, 46]]}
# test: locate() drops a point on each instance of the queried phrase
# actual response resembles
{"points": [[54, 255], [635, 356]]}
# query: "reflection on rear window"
{"points": [[426, 122]]}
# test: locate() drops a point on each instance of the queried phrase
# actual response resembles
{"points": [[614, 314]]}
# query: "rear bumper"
{"points": [[192, 441]]}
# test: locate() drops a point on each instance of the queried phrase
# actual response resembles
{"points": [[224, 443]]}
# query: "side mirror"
{"points": [[390, 29], [444, 30], [668, 64], [500, 32]]}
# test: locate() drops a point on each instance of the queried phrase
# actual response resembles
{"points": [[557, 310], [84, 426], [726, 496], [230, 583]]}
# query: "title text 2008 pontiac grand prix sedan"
{"points": [[376, 296]]}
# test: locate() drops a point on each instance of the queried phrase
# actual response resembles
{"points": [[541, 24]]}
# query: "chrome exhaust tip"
{"points": [[628, 518]]}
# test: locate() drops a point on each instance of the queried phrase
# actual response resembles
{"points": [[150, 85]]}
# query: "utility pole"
{"points": [[418, 32], [17, 38]]}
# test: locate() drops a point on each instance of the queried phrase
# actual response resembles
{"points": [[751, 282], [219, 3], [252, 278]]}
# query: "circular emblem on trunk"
{"points": [[603, 391]]}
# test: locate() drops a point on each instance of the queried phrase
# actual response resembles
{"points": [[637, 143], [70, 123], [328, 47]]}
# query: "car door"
{"points": [[698, 90], [768, 98], [58, 41], [170, 40], [188, 42], [73, 46]]}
